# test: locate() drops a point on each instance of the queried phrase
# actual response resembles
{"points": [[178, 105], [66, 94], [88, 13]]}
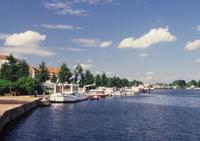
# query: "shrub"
{"points": [[28, 85]]}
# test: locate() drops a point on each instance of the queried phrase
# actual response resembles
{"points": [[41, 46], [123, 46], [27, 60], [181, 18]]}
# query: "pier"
{"points": [[11, 107]]}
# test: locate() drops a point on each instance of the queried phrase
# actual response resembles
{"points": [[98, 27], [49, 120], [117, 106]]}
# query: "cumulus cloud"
{"points": [[86, 66], [61, 26], [92, 42], [193, 45], [154, 36], [25, 43], [3, 36], [144, 55]]}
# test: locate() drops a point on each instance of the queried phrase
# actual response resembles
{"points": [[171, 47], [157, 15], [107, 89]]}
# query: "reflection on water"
{"points": [[162, 115]]}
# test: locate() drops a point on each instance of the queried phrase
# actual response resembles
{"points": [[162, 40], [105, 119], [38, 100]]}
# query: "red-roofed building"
{"points": [[53, 70]]}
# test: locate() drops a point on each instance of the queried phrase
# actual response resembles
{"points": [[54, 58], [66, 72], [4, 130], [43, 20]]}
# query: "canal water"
{"points": [[167, 115]]}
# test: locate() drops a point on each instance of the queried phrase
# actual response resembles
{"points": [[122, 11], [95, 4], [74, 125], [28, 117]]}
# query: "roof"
{"points": [[52, 70], [3, 57]]}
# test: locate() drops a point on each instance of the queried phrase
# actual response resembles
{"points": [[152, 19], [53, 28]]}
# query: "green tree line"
{"points": [[183, 84], [15, 76]]}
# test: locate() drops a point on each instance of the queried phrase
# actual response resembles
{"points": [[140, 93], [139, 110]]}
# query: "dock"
{"points": [[11, 107]]}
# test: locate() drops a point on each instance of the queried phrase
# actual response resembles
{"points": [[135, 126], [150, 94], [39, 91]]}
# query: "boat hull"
{"points": [[62, 98]]}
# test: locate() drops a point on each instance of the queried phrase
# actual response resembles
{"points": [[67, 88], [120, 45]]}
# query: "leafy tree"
{"points": [[4, 86], [125, 82], [192, 83], [104, 80], [54, 78], [9, 70], [5, 72], [179, 83], [43, 73], [136, 83], [88, 78], [23, 69], [28, 85], [198, 83], [64, 74], [98, 80]]}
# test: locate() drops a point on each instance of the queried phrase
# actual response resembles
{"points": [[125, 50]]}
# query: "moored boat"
{"points": [[67, 93]]}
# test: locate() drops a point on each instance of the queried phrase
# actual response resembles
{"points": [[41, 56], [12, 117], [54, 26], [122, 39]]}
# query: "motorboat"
{"points": [[97, 93], [67, 93]]}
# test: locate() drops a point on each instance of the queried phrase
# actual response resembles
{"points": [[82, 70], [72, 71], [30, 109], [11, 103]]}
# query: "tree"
{"points": [[104, 80], [9, 70], [4, 86], [23, 69], [98, 80], [179, 83], [43, 72], [5, 72], [54, 78], [64, 74], [125, 82], [28, 85], [88, 78], [136, 83], [198, 83], [192, 83]]}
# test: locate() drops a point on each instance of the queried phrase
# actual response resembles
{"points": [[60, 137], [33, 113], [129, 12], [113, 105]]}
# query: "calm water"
{"points": [[163, 115]]}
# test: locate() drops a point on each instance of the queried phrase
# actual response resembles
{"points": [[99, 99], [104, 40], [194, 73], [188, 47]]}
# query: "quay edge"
{"points": [[14, 113]]}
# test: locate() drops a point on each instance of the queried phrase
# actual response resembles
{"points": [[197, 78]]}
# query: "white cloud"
{"points": [[154, 36], [61, 26], [106, 44], [144, 55], [149, 73], [65, 9], [86, 66], [92, 42], [193, 45], [26, 43], [28, 38], [3, 36], [198, 28]]}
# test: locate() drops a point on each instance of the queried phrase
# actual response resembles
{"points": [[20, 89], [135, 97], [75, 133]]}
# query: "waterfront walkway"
{"points": [[10, 102]]}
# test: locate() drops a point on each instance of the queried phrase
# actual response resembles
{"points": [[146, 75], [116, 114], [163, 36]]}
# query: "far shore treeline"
{"points": [[15, 77]]}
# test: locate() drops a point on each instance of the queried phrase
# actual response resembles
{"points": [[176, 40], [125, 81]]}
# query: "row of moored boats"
{"points": [[72, 93]]}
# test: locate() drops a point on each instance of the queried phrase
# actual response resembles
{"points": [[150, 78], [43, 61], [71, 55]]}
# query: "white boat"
{"points": [[67, 93]]}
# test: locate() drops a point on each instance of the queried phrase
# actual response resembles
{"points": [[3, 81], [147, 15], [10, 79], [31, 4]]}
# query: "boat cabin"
{"points": [[66, 88]]}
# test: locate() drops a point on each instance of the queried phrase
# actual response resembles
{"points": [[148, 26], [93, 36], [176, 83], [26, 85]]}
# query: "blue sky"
{"points": [[148, 40]]}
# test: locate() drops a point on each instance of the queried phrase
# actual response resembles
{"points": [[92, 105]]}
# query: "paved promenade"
{"points": [[10, 102]]}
